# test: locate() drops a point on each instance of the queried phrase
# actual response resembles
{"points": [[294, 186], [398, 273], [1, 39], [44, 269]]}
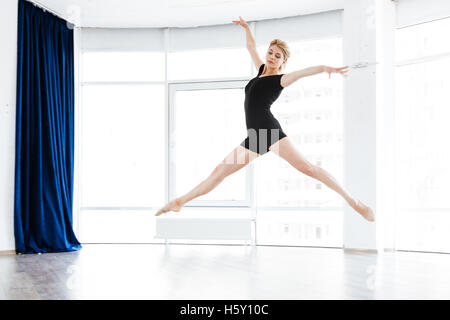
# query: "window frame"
{"points": [[173, 87]]}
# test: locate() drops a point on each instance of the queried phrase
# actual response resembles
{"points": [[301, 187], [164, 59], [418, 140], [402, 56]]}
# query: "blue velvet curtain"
{"points": [[44, 133]]}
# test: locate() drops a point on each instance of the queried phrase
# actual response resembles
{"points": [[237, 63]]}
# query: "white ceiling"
{"points": [[179, 13]]}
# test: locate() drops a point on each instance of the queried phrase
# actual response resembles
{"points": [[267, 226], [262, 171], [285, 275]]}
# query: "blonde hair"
{"points": [[284, 48]]}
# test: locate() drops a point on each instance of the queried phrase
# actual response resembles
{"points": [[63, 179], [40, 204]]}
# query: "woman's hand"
{"points": [[241, 22], [330, 70]]}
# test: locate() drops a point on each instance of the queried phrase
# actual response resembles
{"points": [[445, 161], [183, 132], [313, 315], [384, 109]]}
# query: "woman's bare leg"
{"points": [[235, 160], [286, 150]]}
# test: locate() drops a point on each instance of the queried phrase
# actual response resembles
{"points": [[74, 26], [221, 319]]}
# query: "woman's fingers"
{"points": [[341, 70], [240, 21]]}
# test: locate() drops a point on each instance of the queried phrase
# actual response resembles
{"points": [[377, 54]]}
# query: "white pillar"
{"points": [[367, 97]]}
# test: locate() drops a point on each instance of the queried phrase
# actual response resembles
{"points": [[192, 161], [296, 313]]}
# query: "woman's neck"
{"points": [[269, 71]]}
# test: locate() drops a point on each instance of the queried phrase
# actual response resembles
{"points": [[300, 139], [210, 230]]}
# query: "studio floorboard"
{"points": [[176, 271]]}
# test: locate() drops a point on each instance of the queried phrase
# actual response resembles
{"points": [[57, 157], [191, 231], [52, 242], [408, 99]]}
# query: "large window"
{"points": [[294, 208], [207, 123], [122, 144], [421, 137], [152, 129]]}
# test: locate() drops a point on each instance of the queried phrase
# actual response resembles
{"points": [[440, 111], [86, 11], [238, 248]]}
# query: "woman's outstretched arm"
{"points": [[289, 78]]}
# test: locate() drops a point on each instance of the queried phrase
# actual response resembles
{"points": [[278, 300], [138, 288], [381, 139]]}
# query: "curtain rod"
{"points": [[40, 5]]}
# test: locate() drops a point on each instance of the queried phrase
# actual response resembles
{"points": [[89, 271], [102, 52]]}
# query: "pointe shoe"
{"points": [[364, 210], [174, 205]]}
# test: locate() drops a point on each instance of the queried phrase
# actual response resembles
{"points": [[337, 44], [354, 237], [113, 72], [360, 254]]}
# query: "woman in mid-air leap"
{"points": [[264, 131]]}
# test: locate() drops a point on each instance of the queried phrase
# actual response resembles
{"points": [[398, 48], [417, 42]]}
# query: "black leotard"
{"points": [[262, 128]]}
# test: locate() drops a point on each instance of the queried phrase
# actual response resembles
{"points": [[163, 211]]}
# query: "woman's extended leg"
{"points": [[235, 160], [286, 150]]}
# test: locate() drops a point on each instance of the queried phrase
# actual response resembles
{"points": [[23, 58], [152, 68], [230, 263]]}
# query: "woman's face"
{"points": [[274, 57]]}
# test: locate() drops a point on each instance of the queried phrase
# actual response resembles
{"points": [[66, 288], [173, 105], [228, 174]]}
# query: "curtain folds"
{"points": [[44, 133]]}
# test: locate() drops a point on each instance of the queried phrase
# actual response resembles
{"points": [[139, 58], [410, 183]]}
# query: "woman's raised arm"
{"points": [[251, 44], [250, 40]]}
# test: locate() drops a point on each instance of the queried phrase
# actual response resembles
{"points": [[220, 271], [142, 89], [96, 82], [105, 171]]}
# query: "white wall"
{"points": [[8, 60]]}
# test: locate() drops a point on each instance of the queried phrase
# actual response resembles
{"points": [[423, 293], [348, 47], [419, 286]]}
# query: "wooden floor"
{"points": [[177, 271]]}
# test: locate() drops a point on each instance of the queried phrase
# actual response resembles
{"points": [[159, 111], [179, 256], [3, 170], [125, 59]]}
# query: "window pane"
{"points": [[310, 113], [422, 131], [422, 172], [422, 40], [300, 228], [123, 145], [209, 124], [118, 226], [123, 66], [206, 64]]}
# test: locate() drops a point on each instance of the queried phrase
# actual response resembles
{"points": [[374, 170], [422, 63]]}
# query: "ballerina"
{"points": [[264, 131]]}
